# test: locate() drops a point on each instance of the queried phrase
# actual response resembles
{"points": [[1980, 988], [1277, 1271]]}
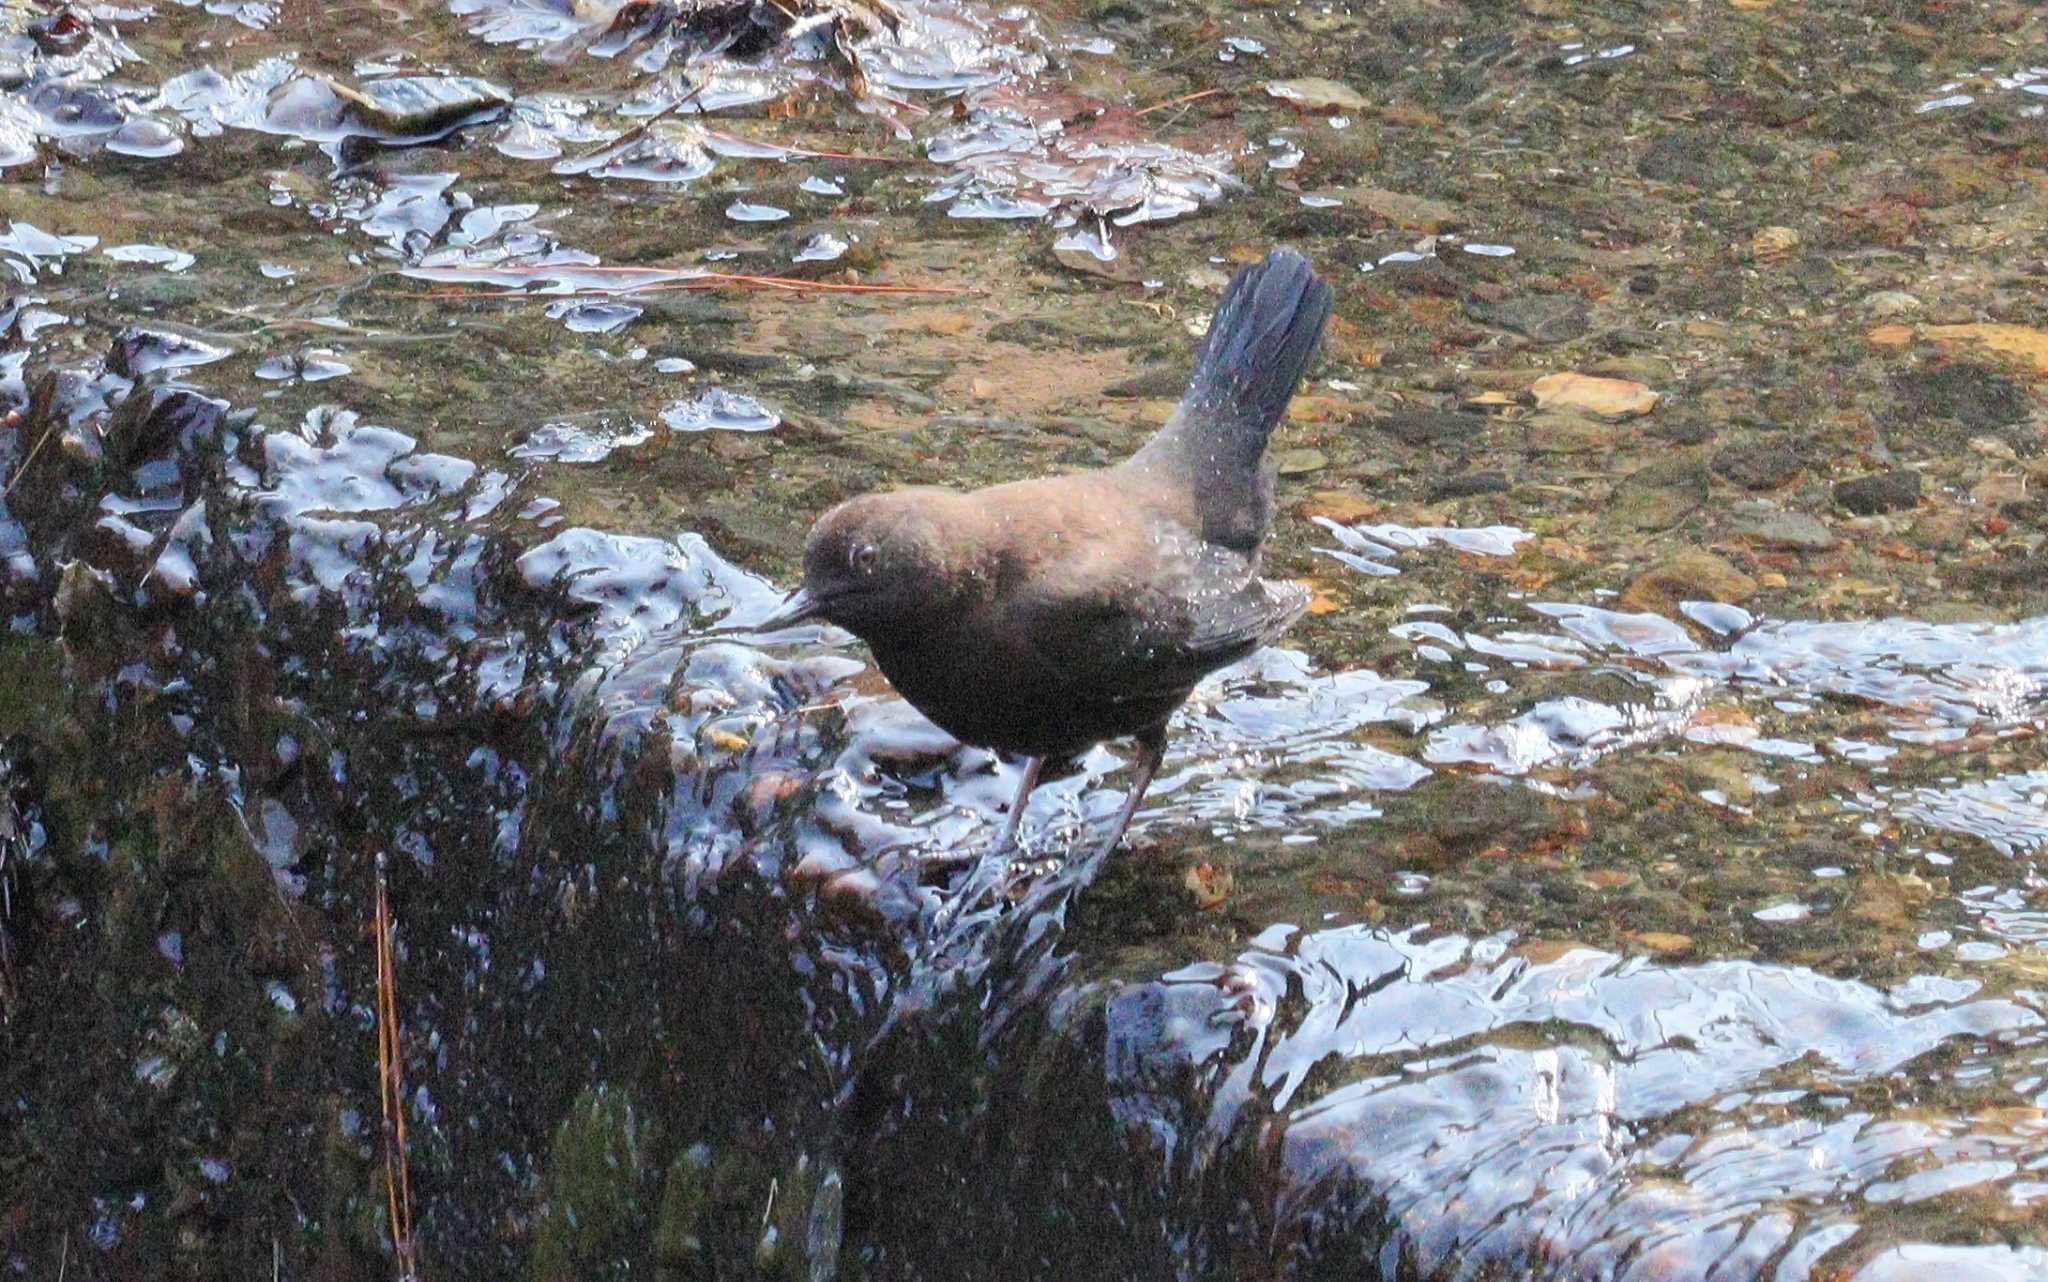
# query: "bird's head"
{"points": [[875, 563]]}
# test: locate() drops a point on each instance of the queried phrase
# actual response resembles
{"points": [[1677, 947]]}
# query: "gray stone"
{"points": [[1661, 495], [1773, 526], [1758, 465], [1430, 427], [1468, 484], [1542, 318]]}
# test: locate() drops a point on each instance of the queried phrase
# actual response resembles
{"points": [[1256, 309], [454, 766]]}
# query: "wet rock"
{"points": [[1427, 275], [1560, 432], [2019, 345], [1772, 243], [1893, 900], [596, 1174], [1085, 257], [1164, 382], [1470, 485], [1458, 817], [1891, 302], [1346, 507], [1661, 495], [1405, 210], [1690, 157], [398, 109], [1976, 396], [82, 445], [64, 397], [138, 352], [1430, 427], [1662, 943], [1613, 398], [1314, 93], [679, 1225], [1693, 574], [163, 292], [1300, 462], [1541, 318], [1879, 492], [1773, 526], [84, 599], [1636, 365], [1759, 465], [1682, 431], [152, 421]]}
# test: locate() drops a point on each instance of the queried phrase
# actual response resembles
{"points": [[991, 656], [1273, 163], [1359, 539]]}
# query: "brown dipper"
{"points": [[1042, 617]]}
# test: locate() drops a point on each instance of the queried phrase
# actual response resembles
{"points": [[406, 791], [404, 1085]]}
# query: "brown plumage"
{"points": [[1042, 617]]}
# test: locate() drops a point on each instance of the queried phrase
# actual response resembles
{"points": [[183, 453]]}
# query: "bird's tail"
{"points": [[1266, 330]]}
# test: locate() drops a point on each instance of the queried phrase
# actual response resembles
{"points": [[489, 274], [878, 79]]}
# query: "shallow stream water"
{"points": [[1630, 869]]}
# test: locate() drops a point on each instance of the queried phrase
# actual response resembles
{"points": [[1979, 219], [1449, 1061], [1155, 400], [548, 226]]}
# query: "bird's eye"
{"points": [[862, 558]]}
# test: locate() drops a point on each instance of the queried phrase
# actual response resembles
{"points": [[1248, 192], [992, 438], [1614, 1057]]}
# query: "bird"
{"points": [[1041, 617]]}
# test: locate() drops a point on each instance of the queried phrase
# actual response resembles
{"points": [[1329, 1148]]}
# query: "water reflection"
{"points": [[629, 827], [1534, 1109]]}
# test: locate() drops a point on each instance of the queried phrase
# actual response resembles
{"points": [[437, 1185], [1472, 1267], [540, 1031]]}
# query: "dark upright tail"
{"points": [[1265, 332]]}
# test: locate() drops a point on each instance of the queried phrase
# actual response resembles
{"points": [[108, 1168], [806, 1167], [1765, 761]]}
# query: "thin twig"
{"points": [[640, 130], [545, 272], [709, 280], [809, 154], [391, 1093], [1197, 96], [22, 471]]}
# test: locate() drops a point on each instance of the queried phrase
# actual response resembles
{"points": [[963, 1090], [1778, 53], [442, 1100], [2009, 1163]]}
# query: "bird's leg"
{"points": [[1032, 765], [1151, 751]]}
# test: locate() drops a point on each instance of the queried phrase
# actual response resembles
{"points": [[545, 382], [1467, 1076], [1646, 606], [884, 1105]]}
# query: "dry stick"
{"points": [[1175, 102], [808, 154], [780, 282], [391, 1092], [384, 1080], [411, 1260], [22, 471], [786, 284], [640, 130]]}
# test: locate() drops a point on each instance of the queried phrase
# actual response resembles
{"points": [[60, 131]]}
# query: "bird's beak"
{"points": [[795, 608]]}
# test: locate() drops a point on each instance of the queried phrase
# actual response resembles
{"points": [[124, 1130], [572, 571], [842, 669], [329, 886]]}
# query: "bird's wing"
{"points": [[1157, 638]]}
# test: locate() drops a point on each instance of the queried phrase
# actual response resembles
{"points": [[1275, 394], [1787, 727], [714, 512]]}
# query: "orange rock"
{"points": [[1342, 506], [1722, 714], [1544, 951], [935, 322], [1891, 335], [1606, 397], [2019, 344], [1209, 885], [1659, 941], [1321, 409]]}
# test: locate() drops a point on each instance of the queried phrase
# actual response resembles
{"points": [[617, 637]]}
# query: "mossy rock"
{"points": [[592, 1221]]}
